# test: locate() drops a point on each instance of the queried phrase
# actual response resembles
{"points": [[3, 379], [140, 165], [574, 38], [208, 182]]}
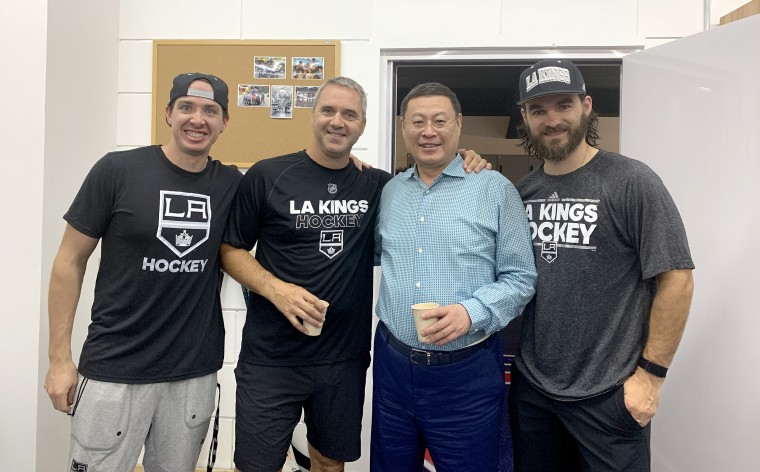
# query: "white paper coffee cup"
{"points": [[417, 310], [316, 330]]}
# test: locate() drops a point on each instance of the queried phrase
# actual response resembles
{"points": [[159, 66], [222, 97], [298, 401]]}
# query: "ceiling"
{"points": [[490, 88]]}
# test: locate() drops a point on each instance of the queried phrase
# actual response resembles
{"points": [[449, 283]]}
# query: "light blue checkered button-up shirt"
{"points": [[465, 239]]}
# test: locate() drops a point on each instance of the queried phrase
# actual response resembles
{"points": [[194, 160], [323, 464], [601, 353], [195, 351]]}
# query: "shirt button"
{"points": [[419, 251], [422, 219], [418, 285]]}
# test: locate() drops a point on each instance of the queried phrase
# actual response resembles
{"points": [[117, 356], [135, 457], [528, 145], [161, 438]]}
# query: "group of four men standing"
{"points": [[611, 296]]}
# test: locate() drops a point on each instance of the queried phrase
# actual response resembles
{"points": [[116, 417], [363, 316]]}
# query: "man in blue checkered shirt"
{"points": [[461, 241]]}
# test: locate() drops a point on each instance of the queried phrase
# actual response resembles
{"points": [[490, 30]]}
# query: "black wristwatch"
{"points": [[654, 369]]}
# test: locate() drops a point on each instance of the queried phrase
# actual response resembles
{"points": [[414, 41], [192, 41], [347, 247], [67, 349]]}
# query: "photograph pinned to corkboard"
{"points": [[255, 130], [305, 96], [250, 95], [269, 67], [305, 68], [282, 101]]}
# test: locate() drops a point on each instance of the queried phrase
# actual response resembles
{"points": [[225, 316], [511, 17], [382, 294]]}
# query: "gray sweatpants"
{"points": [[111, 422]]}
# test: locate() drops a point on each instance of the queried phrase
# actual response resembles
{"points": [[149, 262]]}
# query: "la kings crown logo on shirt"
{"points": [[331, 242], [561, 223], [333, 214], [184, 220]]}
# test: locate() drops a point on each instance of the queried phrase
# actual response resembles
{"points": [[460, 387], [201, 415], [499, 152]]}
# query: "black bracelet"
{"points": [[654, 369]]}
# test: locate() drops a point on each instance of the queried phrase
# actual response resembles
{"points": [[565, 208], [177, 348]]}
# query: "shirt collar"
{"points": [[454, 169]]}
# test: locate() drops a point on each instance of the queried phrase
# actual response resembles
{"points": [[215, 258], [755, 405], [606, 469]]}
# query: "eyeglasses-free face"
{"points": [[337, 123], [349, 115]]}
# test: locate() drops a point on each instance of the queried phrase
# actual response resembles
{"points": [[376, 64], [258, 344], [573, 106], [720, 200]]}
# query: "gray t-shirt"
{"points": [[600, 236]]}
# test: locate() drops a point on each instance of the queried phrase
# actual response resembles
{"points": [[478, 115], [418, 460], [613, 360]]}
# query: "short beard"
{"points": [[558, 152]]}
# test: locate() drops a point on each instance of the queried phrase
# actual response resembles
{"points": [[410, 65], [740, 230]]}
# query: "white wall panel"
{"points": [[306, 19], [80, 106], [366, 155], [656, 18], [23, 36], [230, 327], [136, 66], [360, 61], [226, 378], [133, 121], [440, 24], [232, 294], [563, 23], [188, 19]]}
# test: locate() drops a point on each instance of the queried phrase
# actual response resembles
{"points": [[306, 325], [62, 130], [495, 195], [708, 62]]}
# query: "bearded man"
{"points": [[613, 294]]}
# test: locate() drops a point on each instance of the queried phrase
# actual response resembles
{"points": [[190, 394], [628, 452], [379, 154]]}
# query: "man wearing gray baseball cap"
{"points": [[613, 294], [147, 372]]}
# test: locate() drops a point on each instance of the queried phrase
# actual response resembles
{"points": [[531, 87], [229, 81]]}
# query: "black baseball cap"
{"points": [[549, 77], [181, 88]]}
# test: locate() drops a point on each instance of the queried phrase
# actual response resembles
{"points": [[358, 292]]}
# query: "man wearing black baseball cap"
{"points": [[147, 372], [183, 86], [614, 288]]}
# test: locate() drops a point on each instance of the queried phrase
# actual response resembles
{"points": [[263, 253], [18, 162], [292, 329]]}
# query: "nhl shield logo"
{"points": [[331, 242], [332, 188], [549, 251], [184, 220]]}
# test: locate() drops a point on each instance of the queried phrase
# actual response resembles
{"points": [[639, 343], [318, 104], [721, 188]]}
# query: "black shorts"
{"points": [[268, 407]]}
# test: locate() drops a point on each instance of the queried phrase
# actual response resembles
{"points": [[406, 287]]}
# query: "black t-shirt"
{"points": [[157, 313], [313, 227]]}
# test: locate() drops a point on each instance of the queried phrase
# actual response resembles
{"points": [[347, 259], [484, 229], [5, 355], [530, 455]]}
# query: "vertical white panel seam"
{"points": [[501, 21], [240, 18], [369, 19]]}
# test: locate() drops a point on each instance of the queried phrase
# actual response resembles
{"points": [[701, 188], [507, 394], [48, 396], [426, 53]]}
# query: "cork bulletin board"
{"points": [[271, 91]]}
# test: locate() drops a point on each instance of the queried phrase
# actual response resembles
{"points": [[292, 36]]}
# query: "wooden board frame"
{"points": [[251, 134], [744, 11]]}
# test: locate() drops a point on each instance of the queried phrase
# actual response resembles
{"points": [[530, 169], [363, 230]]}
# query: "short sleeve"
{"points": [[91, 211]]}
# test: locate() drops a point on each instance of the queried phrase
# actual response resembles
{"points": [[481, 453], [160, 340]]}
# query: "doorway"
{"points": [[486, 85]]}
